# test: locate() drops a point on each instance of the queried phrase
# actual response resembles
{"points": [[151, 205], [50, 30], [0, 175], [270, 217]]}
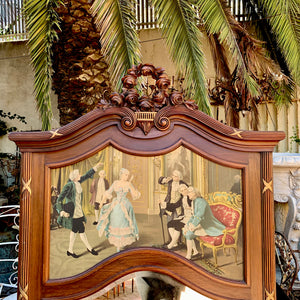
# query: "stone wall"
{"points": [[286, 169], [16, 86]]}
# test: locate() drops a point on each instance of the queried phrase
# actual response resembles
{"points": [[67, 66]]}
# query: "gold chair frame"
{"points": [[232, 201]]}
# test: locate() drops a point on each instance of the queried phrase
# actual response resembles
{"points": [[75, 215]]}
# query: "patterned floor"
{"points": [[62, 266]]}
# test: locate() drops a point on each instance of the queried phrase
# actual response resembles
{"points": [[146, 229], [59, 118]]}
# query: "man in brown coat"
{"points": [[97, 189]]}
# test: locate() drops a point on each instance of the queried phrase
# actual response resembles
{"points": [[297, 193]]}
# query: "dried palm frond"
{"points": [[218, 19], [254, 115], [219, 57], [272, 83]]}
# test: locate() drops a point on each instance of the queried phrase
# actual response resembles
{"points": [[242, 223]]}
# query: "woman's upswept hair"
{"points": [[123, 171]]}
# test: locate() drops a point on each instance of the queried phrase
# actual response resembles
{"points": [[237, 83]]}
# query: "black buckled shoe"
{"points": [[93, 251], [72, 254]]}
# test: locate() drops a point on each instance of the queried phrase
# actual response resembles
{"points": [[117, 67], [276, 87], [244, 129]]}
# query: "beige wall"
{"points": [[155, 51], [16, 86]]}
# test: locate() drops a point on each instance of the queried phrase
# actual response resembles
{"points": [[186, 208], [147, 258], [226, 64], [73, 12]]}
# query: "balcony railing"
{"points": [[12, 22], [146, 19], [145, 15]]}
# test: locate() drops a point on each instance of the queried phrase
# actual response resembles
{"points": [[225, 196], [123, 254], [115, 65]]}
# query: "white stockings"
{"points": [[83, 238], [191, 249], [174, 238]]}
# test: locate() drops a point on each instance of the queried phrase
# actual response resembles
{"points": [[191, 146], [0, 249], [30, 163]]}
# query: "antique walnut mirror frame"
{"points": [[150, 125]]}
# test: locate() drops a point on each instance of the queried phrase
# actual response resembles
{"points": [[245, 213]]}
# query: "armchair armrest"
{"points": [[229, 231]]}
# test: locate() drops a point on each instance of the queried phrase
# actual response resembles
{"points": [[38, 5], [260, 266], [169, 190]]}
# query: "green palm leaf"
{"points": [[284, 18], [116, 22], [218, 20], [42, 22], [178, 21]]}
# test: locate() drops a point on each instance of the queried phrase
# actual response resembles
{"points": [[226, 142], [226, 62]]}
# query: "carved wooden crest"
{"points": [[146, 106]]}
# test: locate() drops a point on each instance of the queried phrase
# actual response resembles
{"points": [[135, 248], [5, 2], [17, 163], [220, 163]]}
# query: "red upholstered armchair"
{"points": [[226, 207]]}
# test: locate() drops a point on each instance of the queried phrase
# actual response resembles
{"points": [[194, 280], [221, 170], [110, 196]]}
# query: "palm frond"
{"points": [[219, 20], [283, 92], [42, 23], [178, 21], [116, 22], [284, 18]]}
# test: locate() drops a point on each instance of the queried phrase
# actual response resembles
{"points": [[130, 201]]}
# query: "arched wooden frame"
{"points": [[172, 127]]}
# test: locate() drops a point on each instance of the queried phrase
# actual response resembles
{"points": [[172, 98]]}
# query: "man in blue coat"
{"points": [[202, 222]]}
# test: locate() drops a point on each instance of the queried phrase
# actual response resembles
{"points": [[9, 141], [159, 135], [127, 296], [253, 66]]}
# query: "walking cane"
{"points": [[162, 223]]}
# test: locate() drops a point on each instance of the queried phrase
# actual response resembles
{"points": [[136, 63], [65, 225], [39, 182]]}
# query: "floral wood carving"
{"points": [[145, 104]]}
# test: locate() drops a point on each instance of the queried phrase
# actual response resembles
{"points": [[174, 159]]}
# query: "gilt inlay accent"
{"points": [[145, 116], [237, 133], [268, 186], [55, 133], [270, 296], [26, 186], [23, 292]]}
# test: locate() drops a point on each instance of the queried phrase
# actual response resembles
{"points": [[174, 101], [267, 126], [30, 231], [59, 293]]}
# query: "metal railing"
{"points": [[146, 19], [9, 247], [145, 15], [243, 10], [12, 22]]}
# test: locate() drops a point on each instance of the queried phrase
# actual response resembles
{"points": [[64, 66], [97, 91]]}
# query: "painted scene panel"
{"points": [[179, 201]]}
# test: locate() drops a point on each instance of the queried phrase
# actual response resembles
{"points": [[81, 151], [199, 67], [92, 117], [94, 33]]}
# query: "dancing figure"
{"points": [[117, 218]]}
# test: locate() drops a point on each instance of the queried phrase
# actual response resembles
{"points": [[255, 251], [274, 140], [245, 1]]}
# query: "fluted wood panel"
{"points": [[25, 214], [268, 226]]}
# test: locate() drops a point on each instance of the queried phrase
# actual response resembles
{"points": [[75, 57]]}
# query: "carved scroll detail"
{"points": [[162, 122], [129, 121]]}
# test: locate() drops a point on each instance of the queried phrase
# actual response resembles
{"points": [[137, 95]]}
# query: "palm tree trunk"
{"points": [[80, 76]]}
